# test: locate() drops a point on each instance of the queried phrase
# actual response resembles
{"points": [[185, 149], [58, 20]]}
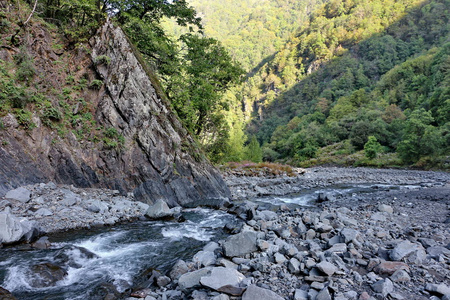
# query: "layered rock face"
{"points": [[158, 159]]}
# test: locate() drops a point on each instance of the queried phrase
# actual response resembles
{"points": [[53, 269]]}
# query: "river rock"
{"points": [[324, 294], [70, 198], [385, 208], [20, 194], [400, 276], [46, 275], [178, 269], [204, 258], [294, 266], [256, 293], [220, 277], [42, 243], [436, 251], [159, 210], [192, 279], [6, 295], [389, 267], [300, 295], [441, 289], [221, 297], [327, 268], [240, 244], [349, 235], [403, 249], [383, 287], [13, 229], [43, 212]]}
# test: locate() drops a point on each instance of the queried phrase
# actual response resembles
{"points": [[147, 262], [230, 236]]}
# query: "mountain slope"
{"points": [[90, 116], [333, 89]]}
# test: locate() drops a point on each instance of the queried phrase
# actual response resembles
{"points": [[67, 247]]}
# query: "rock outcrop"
{"points": [[157, 159]]}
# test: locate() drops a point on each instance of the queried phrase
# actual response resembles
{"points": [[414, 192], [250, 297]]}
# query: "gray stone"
{"points": [[266, 215], [199, 295], [221, 297], [178, 269], [159, 210], [349, 235], [220, 277], [436, 251], [162, 281], [256, 293], [226, 263], [240, 244], [337, 248], [43, 212], [42, 243], [13, 229], [211, 246], [426, 242], [20, 194], [192, 279], [279, 258], [294, 266], [312, 294], [403, 249], [378, 216], [441, 289], [300, 295], [70, 198], [351, 294], [204, 258], [385, 208], [97, 206], [327, 268], [4, 204], [383, 287], [324, 294], [400, 276], [310, 234]]}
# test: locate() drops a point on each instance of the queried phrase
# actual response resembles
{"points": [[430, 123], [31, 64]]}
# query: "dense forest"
{"points": [[359, 82], [299, 82]]}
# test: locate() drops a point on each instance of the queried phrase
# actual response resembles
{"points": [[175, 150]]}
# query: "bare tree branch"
{"points": [[32, 12]]}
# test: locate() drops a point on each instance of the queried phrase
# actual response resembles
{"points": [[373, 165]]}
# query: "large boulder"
{"points": [[192, 279], [20, 194], [13, 229], [46, 274], [403, 249], [221, 277], [159, 210], [240, 244]]}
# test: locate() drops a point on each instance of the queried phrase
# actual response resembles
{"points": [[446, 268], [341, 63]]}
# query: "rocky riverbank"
{"points": [[386, 244], [389, 244]]}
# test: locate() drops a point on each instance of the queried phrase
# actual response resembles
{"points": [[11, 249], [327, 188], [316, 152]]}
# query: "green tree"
{"points": [[420, 137], [372, 147], [253, 151]]}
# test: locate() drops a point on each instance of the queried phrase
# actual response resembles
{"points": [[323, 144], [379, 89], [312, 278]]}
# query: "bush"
{"points": [[102, 60]]}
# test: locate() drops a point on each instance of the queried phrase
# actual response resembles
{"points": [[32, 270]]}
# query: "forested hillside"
{"points": [[356, 74], [252, 30], [362, 68]]}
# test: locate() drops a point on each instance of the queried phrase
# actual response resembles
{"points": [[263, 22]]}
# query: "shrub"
{"points": [[96, 84], [102, 59]]}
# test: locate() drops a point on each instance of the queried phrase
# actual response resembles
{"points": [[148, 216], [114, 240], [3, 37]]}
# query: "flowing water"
{"points": [[116, 255]]}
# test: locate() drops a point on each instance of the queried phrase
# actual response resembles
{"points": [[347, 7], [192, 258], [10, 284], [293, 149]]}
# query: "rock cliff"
{"points": [[157, 159]]}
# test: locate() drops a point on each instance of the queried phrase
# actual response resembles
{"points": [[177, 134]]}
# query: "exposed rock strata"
{"points": [[158, 160]]}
